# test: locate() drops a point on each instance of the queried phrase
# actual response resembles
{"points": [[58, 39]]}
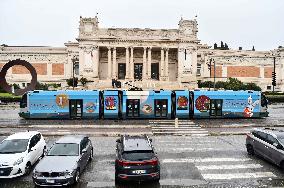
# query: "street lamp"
{"points": [[74, 60], [211, 60]]}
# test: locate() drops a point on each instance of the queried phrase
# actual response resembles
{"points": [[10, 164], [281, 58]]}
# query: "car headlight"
{"points": [[19, 161], [66, 173], [36, 173]]}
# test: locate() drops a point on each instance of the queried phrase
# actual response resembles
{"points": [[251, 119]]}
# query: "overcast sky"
{"points": [[237, 22]]}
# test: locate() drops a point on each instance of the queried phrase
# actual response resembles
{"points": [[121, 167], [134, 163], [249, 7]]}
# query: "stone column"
{"points": [[261, 69], [131, 64], [166, 74], [109, 63], [224, 71], [127, 75], [95, 59], [144, 74], [81, 62], [162, 66], [49, 70], [114, 64], [149, 62], [180, 64]]}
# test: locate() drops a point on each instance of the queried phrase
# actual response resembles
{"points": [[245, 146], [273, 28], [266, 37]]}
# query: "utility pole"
{"points": [[74, 60], [210, 63], [274, 74], [214, 73]]}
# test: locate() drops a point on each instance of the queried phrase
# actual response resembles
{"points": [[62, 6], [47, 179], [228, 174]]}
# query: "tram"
{"points": [[151, 104]]}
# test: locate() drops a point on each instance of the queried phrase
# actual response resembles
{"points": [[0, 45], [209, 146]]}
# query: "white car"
{"points": [[19, 152]]}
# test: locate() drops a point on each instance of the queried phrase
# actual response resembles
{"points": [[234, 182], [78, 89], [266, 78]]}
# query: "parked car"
{"points": [[267, 143], [64, 162], [19, 152], [136, 159]]}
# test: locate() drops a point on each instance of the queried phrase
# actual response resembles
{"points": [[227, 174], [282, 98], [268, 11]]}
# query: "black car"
{"points": [[136, 159]]}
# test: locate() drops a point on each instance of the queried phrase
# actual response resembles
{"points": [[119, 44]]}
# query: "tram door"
{"points": [[161, 108], [132, 107], [216, 107], [76, 108]]}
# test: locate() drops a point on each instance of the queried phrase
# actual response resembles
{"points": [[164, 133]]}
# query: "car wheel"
{"points": [[117, 181], [77, 176], [91, 155], [281, 165], [28, 168], [250, 150]]}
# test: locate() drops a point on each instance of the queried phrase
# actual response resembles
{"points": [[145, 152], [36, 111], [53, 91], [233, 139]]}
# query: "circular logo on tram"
{"points": [[202, 103], [62, 100], [90, 107]]}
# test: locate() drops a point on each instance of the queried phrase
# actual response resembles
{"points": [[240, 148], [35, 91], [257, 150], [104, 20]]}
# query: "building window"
{"points": [[198, 71], [268, 87], [76, 68]]}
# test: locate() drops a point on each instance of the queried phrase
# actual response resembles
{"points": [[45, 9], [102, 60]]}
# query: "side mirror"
{"points": [[84, 151], [29, 150], [278, 146]]}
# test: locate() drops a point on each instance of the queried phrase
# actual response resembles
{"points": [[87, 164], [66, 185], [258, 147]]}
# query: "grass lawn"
{"points": [[8, 95]]}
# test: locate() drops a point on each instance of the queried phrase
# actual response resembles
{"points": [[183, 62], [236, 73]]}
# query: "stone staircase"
{"points": [[176, 127]]}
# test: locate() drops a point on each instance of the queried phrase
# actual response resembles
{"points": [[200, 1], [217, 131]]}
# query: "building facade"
{"points": [[146, 58]]}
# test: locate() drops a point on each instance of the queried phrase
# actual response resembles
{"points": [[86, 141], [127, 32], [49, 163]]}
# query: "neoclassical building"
{"points": [[147, 58]]}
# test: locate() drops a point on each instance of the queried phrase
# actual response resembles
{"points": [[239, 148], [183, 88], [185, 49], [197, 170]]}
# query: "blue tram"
{"points": [[152, 104]]}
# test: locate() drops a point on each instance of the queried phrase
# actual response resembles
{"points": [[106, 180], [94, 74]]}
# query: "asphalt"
{"points": [[219, 161]]}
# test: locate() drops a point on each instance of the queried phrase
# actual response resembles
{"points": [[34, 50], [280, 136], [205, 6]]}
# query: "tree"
{"points": [[70, 81], [226, 47], [231, 84], [215, 46], [252, 86], [234, 84], [253, 48], [83, 81], [222, 45], [40, 86]]}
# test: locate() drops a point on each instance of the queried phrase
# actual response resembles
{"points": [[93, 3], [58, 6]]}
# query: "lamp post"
{"points": [[74, 60], [214, 73]]}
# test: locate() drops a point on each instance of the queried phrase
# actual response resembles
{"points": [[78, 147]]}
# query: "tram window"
{"points": [[23, 102], [216, 107], [161, 107], [133, 107]]}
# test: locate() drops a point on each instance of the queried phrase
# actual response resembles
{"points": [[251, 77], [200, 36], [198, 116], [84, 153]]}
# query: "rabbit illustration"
{"points": [[248, 111]]}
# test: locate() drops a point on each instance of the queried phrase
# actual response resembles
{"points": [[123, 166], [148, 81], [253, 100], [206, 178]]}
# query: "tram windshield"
{"points": [[264, 101], [23, 102]]}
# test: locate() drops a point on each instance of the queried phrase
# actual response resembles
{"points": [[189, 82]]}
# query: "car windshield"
{"points": [[281, 139], [14, 146], [66, 149], [138, 155]]}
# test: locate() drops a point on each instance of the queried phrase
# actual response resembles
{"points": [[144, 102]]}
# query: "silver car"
{"points": [[64, 162], [267, 143]]}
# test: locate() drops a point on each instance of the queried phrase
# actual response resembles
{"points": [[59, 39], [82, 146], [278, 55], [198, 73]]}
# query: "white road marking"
{"points": [[190, 149], [238, 176], [204, 160], [228, 167], [183, 140]]}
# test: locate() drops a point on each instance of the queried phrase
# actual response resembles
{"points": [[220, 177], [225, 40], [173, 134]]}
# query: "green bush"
{"points": [[230, 84], [70, 82]]}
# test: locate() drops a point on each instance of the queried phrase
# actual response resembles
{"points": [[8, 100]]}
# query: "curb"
{"points": [[240, 126], [108, 134], [77, 126], [226, 133]]}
